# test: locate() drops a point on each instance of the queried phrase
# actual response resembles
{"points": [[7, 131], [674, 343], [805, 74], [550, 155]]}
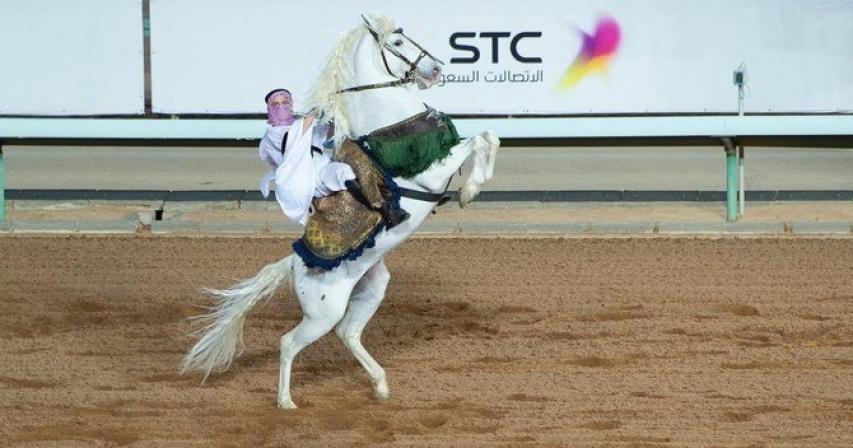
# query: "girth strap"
{"points": [[438, 198]]}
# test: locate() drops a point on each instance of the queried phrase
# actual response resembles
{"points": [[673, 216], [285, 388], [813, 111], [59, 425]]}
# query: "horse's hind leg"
{"points": [[365, 299], [322, 308]]}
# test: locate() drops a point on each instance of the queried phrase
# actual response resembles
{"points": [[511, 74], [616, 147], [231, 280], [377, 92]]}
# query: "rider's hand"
{"points": [[307, 120]]}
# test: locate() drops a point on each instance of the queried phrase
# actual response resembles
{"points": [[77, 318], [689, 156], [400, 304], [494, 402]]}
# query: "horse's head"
{"points": [[401, 56], [374, 55]]}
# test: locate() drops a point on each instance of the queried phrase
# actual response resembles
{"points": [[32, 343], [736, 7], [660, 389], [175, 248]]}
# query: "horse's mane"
{"points": [[324, 101]]}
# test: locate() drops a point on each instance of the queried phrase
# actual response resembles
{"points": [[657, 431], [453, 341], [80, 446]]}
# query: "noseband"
{"points": [[409, 76]]}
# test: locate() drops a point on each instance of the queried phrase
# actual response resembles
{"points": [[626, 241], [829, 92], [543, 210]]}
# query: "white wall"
{"points": [[221, 56], [675, 55], [60, 57]]}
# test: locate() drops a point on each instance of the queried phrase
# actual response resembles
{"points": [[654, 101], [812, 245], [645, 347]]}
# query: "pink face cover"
{"points": [[280, 114]]}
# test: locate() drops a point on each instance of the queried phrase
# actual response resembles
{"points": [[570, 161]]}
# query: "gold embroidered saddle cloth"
{"points": [[341, 227]]}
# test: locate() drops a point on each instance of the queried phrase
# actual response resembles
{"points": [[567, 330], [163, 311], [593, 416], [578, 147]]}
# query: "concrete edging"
{"points": [[124, 226]]}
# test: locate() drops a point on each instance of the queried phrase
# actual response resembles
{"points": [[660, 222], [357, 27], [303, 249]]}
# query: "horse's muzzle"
{"points": [[426, 81]]}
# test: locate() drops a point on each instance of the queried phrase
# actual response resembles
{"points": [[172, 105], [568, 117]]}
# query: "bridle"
{"points": [[409, 76]]}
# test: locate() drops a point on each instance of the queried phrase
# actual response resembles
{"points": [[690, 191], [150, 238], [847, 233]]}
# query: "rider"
{"points": [[301, 171]]}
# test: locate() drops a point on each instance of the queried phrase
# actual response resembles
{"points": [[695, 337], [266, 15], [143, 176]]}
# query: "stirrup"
{"points": [[393, 219]]}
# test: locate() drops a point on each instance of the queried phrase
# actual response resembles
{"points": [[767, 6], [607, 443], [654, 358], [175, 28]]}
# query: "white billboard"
{"points": [[60, 57], [510, 57]]}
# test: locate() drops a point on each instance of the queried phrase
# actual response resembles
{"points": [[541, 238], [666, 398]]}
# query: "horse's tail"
{"points": [[223, 334]]}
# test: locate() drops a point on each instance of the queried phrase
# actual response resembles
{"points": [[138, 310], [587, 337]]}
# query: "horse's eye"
{"points": [[398, 43]]}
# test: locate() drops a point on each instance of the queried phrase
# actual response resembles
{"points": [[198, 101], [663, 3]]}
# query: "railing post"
{"points": [[2, 188], [741, 181], [731, 179]]}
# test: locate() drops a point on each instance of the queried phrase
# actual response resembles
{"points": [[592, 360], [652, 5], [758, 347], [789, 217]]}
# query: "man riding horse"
{"points": [[403, 153]]}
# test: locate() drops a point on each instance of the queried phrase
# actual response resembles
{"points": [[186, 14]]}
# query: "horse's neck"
{"points": [[368, 110]]}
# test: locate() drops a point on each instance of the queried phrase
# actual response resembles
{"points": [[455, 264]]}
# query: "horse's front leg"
{"points": [[485, 151], [435, 178], [494, 144]]}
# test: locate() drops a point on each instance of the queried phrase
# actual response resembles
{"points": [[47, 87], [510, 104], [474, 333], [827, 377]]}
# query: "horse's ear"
{"points": [[370, 28]]}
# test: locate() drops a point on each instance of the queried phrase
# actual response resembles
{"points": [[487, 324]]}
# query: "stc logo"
{"points": [[495, 37], [595, 54]]}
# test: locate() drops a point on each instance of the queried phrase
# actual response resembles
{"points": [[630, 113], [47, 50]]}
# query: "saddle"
{"points": [[340, 227]]}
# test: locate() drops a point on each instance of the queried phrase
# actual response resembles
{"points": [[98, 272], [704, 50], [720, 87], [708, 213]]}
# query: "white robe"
{"points": [[300, 174]]}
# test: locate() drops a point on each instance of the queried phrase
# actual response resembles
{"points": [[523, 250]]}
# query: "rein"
{"points": [[380, 85], [408, 77]]}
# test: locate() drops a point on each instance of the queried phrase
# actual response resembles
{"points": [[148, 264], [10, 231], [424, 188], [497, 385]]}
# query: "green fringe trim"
{"points": [[411, 155]]}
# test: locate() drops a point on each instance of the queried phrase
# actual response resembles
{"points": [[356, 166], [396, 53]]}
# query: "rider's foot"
{"points": [[394, 217], [355, 189]]}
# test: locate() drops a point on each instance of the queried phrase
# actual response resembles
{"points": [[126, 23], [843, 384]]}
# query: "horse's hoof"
{"points": [[286, 404], [380, 390], [491, 138], [467, 194]]}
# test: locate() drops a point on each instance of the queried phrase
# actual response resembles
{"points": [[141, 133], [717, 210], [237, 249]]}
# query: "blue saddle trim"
{"points": [[313, 261]]}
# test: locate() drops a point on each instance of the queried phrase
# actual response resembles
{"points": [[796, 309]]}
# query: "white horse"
{"points": [[379, 58]]}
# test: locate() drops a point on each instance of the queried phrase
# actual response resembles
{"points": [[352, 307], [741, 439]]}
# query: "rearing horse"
{"points": [[367, 85]]}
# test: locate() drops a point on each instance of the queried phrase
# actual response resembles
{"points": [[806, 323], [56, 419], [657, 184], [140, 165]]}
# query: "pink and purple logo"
{"points": [[595, 54]]}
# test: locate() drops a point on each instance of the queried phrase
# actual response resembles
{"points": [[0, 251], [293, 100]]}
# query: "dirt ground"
{"points": [[621, 342]]}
